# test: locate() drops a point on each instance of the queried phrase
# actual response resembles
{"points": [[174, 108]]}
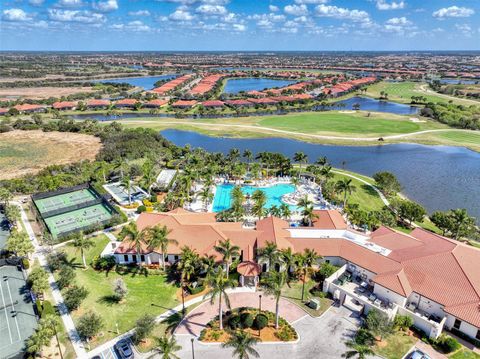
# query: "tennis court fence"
{"points": [[73, 207], [43, 195]]}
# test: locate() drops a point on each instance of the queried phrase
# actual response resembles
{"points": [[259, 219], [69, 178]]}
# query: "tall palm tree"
{"points": [[228, 251], [346, 187], [463, 223], [208, 265], [157, 237], [248, 155], [166, 347], [309, 215], [148, 175], [206, 195], [187, 267], [82, 243], [304, 202], [359, 350], [321, 161], [269, 254], [219, 283], [295, 181], [275, 211], [290, 261], [286, 212], [326, 173], [137, 237], [273, 285], [305, 261], [242, 344], [300, 158], [259, 200], [127, 184]]}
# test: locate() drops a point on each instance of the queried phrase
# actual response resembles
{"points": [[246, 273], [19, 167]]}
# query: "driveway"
{"points": [[322, 337], [197, 320]]}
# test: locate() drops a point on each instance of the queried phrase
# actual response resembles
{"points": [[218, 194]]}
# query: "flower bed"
{"points": [[259, 325]]}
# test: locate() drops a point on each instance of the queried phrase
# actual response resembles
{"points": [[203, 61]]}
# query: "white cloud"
{"points": [[207, 9], [296, 10], [465, 29], [311, 2], [69, 3], [86, 17], [273, 8], [139, 13], [181, 15], [105, 6], [453, 11], [15, 15], [341, 13], [239, 27], [399, 21], [384, 5]]}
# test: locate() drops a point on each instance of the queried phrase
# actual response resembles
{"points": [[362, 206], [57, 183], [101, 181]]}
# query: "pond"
{"points": [[249, 84], [459, 81], [438, 177], [370, 104], [147, 82]]}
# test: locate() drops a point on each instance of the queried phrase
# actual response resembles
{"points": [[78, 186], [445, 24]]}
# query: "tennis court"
{"points": [[17, 317], [78, 219], [64, 200]]}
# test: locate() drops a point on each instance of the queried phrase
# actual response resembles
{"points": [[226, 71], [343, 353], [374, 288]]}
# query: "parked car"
{"points": [[124, 349], [418, 354]]}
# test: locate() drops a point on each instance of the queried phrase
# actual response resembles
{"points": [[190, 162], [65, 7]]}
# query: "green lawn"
{"points": [[403, 91], [350, 124], [397, 345], [293, 293], [364, 195], [465, 354], [143, 290]]}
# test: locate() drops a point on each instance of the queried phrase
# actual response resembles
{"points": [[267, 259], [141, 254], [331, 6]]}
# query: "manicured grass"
{"points": [[364, 195], [293, 293], [343, 123], [403, 91], [395, 346], [465, 354], [147, 293]]}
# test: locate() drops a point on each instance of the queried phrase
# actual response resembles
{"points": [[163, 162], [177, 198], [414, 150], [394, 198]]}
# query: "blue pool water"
{"points": [[223, 198]]}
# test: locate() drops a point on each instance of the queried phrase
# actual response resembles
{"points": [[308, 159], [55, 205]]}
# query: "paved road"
{"points": [[322, 337]]}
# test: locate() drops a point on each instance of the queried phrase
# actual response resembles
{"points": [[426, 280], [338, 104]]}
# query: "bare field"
{"points": [[42, 92], [27, 152]]}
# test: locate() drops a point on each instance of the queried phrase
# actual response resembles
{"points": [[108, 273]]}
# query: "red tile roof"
{"points": [[213, 103], [64, 104], [184, 103], [98, 103]]}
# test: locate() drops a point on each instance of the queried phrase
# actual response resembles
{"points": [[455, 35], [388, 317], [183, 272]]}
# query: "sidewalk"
{"points": [[57, 295]]}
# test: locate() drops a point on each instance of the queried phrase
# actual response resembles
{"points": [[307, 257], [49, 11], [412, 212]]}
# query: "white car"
{"points": [[418, 354]]}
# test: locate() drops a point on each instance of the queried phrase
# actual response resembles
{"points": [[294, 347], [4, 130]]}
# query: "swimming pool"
{"points": [[223, 198]]}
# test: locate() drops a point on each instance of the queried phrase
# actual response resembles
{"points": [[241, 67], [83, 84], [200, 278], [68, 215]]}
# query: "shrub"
{"points": [[103, 263], [234, 322], [195, 290], [74, 296], [144, 327], [403, 322], [48, 308], [56, 260], [464, 336], [285, 334], [260, 322], [66, 275], [246, 320], [25, 263], [89, 325], [141, 209], [448, 344], [120, 288]]}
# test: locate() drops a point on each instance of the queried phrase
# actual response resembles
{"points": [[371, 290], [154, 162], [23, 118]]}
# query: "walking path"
{"points": [[309, 135], [56, 294], [198, 318]]}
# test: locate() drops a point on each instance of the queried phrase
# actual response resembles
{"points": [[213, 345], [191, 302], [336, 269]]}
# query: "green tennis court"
{"points": [[17, 317], [64, 200], [78, 219]]}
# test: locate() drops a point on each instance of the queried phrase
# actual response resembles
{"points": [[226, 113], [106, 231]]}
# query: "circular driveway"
{"points": [[198, 318]]}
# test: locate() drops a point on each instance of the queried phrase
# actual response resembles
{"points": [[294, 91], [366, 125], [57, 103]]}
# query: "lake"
{"points": [[438, 177], [253, 83], [147, 82], [374, 105], [459, 81]]}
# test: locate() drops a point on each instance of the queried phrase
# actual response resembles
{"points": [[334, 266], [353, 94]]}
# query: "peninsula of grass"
{"points": [[148, 293], [293, 293]]}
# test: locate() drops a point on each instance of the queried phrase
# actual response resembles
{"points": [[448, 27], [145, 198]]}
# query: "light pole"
{"points": [[259, 303], [193, 350]]}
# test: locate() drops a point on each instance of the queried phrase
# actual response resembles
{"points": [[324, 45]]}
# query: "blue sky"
{"points": [[165, 25]]}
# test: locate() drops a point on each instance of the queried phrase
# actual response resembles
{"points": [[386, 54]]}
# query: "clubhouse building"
{"points": [[432, 279]]}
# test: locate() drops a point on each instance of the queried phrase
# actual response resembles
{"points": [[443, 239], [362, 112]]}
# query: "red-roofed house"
{"points": [[126, 103], [184, 103], [3, 111], [64, 105], [28, 108], [98, 103], [239, 103], [213, 103], [155, 103]]}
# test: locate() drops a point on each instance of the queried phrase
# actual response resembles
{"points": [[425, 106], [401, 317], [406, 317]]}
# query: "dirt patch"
{"points": [[28, 152], [43, 92]]}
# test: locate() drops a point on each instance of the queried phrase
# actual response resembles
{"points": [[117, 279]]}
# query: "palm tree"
{"points": [[148, 175], [275, 211], [127, 184], [187, 267], [137, 237], [228, 251], [269, 254], [321, 161], [304, 202], [248, 155], [157, 237], [295, 181], [242, 344], [359, 350], [260, 199], [326, 172], [306, 260], [208, 265], [166, 347], [82, 243], [273, 285], [300, 158], [286, 212], [309, 215], [290, 261], [463, 223], [219, 283], [345, 186], [206, 195]]}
